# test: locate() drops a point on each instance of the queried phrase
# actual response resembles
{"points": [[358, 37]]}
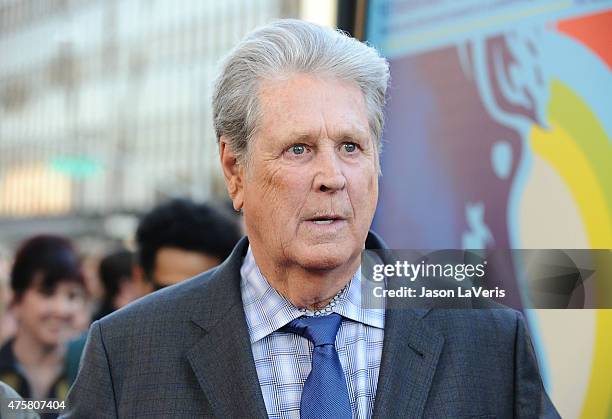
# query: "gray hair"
{"points": [[287, 47]]}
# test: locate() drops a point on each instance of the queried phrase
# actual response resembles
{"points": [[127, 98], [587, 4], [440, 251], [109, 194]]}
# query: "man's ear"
{"points": [[233, 172]]}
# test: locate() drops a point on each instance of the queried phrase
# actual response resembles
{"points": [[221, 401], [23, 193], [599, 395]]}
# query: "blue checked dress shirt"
{"points": [[283, 359]]}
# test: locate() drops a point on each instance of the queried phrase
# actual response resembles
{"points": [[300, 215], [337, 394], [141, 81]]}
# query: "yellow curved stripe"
{"points": [[599, 394], [582, 125], [562, 153]]}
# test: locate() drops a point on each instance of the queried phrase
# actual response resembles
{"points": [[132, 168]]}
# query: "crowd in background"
{"points": [[50, 300]]}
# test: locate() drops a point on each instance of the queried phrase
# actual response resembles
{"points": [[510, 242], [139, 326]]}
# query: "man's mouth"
{"points": [[325, 219]]}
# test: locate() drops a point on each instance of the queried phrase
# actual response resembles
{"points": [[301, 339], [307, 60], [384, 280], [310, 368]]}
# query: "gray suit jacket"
{"points": [[185, 352]]}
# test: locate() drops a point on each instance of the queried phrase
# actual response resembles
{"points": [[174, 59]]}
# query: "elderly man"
{"points": [[279, 329]]}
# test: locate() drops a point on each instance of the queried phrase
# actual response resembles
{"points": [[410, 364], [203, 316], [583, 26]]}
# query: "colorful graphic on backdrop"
{"points": [[499, 135]]}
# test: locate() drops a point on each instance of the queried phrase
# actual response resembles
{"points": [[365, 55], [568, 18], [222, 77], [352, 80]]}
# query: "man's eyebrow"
{"points": [[353, 133], [300, 136], [339, 134]]}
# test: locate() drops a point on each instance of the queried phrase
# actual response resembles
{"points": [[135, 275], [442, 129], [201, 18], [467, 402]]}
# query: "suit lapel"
{"points": [[222, 359], [410, 355], [409, 360]]}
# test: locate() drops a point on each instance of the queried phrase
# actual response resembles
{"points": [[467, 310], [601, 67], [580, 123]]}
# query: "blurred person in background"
{"points": [[8, 325], [120, 286], [180, 239], [49, 300], [176, 241]]}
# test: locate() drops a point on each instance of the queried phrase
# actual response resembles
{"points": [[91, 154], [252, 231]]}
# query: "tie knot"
{"points": [[320, 330]]}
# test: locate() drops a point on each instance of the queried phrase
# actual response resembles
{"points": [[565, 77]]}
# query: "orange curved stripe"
{"points": [[594, 31]]}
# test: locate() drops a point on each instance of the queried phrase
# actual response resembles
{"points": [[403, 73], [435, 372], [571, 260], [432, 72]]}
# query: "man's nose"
{"points": [[329, 176]]}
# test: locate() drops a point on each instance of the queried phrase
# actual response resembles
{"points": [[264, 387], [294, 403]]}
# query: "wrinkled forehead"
{"points": [[306, 106]]}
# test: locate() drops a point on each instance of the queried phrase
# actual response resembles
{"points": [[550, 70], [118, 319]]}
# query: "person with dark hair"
{"points": [[180, 238], [120, 287], [176, 240], [48, 295]]}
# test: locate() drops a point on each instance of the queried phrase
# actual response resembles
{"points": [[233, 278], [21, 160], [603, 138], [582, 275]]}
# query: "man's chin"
{"points": [[326, 257]]}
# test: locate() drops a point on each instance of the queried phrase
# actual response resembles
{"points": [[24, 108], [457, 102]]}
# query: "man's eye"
{"points": [[350, 147], [298, 149]]}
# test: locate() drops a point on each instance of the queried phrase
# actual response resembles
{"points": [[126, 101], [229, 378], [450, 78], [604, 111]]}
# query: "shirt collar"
{"points": [[267, 311]]}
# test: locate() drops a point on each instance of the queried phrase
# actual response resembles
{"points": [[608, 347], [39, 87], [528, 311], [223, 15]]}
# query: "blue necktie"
{"points": [[325, 394]]}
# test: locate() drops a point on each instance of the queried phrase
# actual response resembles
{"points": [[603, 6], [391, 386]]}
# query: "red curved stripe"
{"points": [[593, 31]]}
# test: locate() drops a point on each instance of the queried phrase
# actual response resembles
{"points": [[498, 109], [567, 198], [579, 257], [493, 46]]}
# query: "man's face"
{"points": [[310, 189]]}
